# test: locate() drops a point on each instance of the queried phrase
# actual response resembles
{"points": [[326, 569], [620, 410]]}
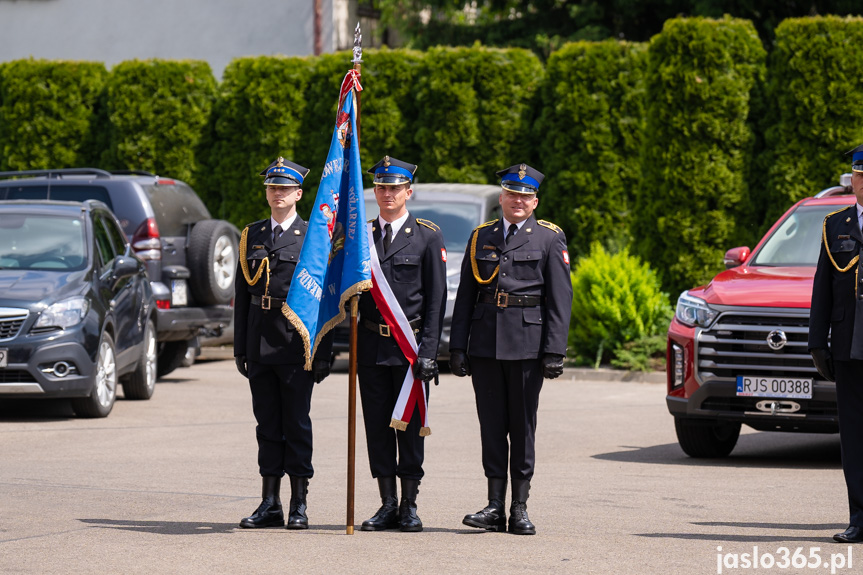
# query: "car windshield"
{"points": [[41, 242], [797, 240], [457, 220]]}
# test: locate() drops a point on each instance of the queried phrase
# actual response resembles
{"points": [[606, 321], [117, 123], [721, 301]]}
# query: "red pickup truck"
{"points": [[737, 346]]}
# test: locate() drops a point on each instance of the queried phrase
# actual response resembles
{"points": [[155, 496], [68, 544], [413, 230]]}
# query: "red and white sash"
{"points": [[413, 393]]}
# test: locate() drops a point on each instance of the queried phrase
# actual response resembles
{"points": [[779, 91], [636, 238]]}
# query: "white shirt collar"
{"points": [[859, 214], [507, 223], [285, 224], [396, 225]]}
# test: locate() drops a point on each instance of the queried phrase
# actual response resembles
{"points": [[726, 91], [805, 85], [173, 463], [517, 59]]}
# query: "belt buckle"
{"points": [[502, 299], [384, 330], [265, 302]]}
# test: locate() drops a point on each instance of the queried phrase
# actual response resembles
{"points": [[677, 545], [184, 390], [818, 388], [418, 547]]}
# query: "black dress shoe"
{"points": [[853, 534], [492, 518]]}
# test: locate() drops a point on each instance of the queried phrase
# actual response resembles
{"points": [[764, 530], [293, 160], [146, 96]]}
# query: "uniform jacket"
{"points": [[415, 267], [267, 336], [535, 262], [834, 297]]}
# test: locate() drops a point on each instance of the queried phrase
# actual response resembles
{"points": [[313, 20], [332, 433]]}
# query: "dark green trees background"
{"points": [[674, 149]]}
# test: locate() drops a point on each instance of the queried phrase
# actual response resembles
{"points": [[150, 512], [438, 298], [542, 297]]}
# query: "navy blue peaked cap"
{"points": [[284, 173], [393, 172], [521, 179]]}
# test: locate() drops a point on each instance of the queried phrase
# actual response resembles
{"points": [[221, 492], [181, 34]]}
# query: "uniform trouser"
{"points": [[281, 399], [849, 397], [507, 397], [379, 389]]}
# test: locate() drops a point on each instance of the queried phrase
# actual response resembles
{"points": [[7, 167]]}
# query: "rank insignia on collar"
{"points": [[527, 230], [847, 220], [494, 230], [522, 171], [407, 230], [296, 232], [263, 228]]}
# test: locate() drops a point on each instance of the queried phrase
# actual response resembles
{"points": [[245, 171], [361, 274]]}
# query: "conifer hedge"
{"points": [[814, 86], [589, 136], [256, 117], [476, 108], [157, 112], [50, 114], [698, 146]]}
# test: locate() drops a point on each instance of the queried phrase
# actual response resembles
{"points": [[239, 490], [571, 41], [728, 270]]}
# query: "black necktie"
{"points": [[277, 232], [388, 237], [512, 229]]}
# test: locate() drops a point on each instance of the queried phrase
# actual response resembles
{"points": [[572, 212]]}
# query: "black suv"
{"points": [[191, 259]]}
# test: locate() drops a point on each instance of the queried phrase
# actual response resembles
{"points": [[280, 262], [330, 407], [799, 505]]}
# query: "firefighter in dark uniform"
{"points": [[413, 260], [836, 316], [509, 331], [270, 353]]}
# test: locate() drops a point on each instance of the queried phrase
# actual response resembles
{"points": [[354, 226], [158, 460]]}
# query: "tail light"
{"points": [[145, 241]]}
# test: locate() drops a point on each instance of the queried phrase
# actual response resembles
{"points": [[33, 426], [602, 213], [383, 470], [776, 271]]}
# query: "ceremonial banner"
{"points": [[334, 261]]}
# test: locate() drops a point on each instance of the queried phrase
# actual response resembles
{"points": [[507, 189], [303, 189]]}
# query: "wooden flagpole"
{"points": [[352, 361]]}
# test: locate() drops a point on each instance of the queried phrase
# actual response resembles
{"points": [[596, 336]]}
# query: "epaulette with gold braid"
{"points": [[371, 220], [485, 225], [549, 225], [429, 224]]}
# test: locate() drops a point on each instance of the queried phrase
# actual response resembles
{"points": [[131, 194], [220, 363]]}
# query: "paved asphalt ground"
{"points": [[159, 486]]}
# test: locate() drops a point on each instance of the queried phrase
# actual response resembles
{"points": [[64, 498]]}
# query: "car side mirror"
{"points": [[735, 257], [124, 266]]}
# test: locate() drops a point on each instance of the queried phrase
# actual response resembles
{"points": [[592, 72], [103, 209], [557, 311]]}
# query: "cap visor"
{"points": [[517, 188], [280, 181], [389, 180]]}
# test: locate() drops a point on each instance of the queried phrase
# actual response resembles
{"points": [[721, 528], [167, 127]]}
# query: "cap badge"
{"points": [[386, 161], [522, 171], [280, 163]]}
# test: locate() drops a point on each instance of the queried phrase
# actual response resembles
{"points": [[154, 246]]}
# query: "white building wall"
{"points": [[112, 31]]}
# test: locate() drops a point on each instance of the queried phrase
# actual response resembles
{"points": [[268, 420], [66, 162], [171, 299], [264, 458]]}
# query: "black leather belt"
{"points": [[267, 302], [383, 329], [501, 299]]}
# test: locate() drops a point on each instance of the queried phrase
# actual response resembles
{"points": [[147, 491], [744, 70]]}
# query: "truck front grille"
{"points": [[737, 345]]}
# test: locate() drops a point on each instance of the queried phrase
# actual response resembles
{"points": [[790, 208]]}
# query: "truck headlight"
{"points": [[693, 311], [64, 313]]}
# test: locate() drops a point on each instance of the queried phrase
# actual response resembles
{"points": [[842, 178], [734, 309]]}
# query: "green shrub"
{"points": [[590, 136], [158, 112], [50, 114], [475, 112], [256, 118], [616, 299], [814, 86], [697, 148]]}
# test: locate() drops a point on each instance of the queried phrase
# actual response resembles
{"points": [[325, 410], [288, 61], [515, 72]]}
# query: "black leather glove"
{"points": [[459, 363], [823, 363], [320, 369], [242, 366], [552, 365], [425, 368]]}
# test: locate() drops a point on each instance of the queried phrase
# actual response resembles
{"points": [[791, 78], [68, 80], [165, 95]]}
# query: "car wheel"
{"points": [[171, 356], [705, 439], [101, 399], [142, 382], [212, 259]]}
